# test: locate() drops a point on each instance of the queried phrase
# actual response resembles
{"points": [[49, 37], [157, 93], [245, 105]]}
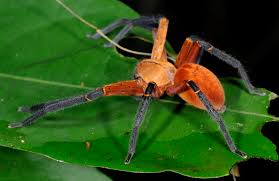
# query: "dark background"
{"points": [[249, 32]]}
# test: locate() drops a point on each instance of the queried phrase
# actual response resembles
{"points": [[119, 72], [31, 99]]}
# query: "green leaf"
{"points": [[45, 55], [18, 165]]}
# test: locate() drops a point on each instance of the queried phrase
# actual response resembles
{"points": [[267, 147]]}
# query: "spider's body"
{"points": [[208, 83], [155, 76], [159, 72], [165, 75]]}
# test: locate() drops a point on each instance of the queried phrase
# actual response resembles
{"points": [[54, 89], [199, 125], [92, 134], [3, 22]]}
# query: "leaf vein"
{"points": [[30, 79]]}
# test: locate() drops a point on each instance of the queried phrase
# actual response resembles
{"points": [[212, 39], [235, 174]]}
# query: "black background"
{"points": [[247, 30]]}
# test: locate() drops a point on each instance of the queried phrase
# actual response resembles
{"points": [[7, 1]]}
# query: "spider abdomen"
{"points": [[208, 83]]}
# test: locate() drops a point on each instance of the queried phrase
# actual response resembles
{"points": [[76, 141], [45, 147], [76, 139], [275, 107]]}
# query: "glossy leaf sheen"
{"points": [[41, 40], [18, 165]]}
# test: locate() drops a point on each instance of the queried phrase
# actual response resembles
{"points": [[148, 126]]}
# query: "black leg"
{"points": [[36, 107], [110, 28], [147, 22], [216, 117], [145, 101], [40, 110], [120, 35], [200, 56], [231, 61], [195, 38]]}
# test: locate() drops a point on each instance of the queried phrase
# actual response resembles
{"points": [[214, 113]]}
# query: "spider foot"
{"points": [[28, 121], [35, 108], [128, 158], [93, 36], [147, 22], [258, 92], [31, 109], [241, 154], [127, 23], [108, 44], [16, 125], [23, 123], [24, 109]]}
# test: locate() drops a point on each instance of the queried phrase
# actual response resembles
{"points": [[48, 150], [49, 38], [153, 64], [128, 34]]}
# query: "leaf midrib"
{"points": [[61, 84]]}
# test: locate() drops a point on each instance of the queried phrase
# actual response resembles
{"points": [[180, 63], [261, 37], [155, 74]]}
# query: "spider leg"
{"points": [[216, 117], [191, 52], [158, 54], [198, 61], [124, 88], [36, 107], [231, 61], [177, 88], [40, 110], [143, 105], [158, 49], [110, 28], [147, 22], [120, 35]]}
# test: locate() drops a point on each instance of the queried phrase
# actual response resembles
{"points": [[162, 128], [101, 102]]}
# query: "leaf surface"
{"points": [[18, 165], [45, 55]]}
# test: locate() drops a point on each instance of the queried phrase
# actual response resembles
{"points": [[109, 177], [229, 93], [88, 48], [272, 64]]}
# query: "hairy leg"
{"points": [[147, 22], [230, 61], [191, 52], [40, 110], [143, 106], [216, 117], [124, 88]]}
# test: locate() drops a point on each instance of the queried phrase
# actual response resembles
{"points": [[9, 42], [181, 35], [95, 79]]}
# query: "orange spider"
{"points": [[155, 76]]}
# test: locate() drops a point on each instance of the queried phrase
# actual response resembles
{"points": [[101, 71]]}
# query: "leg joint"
{"points": [[86, 97], [194, 86]]}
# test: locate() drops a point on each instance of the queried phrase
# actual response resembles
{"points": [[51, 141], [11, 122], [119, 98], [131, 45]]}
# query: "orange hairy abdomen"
{"points": [[207, 82]]}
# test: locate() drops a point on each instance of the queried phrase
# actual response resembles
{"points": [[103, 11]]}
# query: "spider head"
{"points": [[159, 72]]}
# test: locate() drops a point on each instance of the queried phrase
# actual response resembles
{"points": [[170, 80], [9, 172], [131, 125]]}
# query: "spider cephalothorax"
{"points": [[155, 76]]}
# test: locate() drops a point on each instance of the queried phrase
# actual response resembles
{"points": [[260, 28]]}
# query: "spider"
{"points": [[156, 76]]}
